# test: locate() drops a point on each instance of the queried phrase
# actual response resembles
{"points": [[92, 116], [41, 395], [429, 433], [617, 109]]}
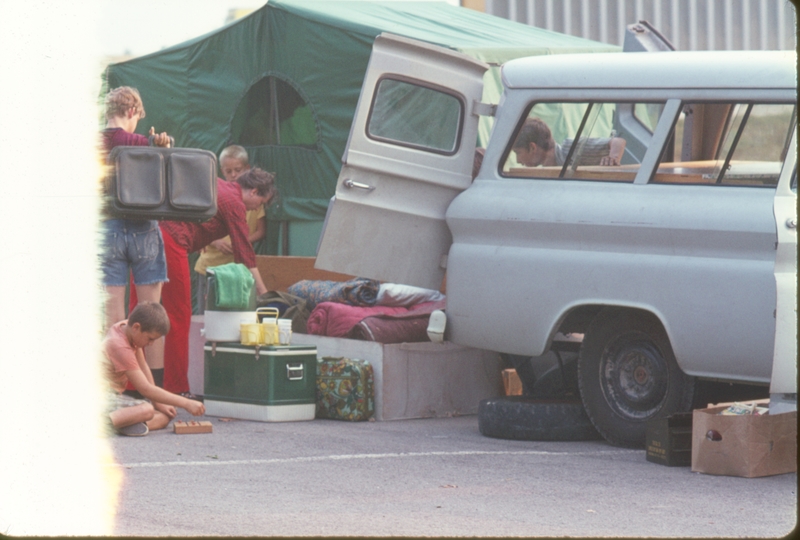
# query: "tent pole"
{"points": [[284, 238], [274, 117]]}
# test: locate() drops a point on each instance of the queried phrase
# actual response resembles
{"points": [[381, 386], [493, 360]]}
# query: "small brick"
{"points": [[182, 428]]}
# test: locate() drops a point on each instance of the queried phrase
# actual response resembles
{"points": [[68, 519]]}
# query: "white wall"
{"points": [[688, 24]]}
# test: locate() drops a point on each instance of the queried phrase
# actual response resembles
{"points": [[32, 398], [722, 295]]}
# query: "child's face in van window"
{"points": [[232, 168]]}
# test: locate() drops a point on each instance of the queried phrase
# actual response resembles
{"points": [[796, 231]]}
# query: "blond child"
{"points": [[124, 362], [233, 161]]}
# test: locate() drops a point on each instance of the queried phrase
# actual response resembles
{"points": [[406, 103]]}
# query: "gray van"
{"points": [[644, 202]]}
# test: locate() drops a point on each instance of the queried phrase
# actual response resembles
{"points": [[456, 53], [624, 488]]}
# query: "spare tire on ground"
{"points": [[528, 419]]}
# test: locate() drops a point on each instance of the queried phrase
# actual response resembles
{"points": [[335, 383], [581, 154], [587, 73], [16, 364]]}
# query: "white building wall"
{"points": [[687, 24]]}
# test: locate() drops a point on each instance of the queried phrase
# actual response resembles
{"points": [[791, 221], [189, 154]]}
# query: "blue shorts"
{"points": [[132, 246]]}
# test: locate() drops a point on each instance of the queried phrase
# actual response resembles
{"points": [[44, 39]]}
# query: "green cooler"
{"points": [[273, 383]]}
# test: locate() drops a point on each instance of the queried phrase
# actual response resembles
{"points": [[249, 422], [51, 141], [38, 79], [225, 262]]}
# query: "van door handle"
{"points": [[350, 184], [791, 223]]}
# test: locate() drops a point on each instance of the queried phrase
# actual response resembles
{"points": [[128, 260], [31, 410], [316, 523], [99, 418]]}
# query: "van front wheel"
{"points": [[627, 375]]}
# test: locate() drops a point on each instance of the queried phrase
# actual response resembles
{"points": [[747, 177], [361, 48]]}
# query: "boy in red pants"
{"points": [[252, 189]]}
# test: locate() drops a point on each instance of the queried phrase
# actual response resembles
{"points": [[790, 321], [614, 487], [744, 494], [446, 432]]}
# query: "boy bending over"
{"points": [[125, 362]]}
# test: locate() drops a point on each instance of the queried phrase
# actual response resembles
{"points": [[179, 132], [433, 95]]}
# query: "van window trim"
{"points": [[590, 104], [750, 103], [422, 84], [577, 142], [792, 126], [734, 142], [662, 133]]}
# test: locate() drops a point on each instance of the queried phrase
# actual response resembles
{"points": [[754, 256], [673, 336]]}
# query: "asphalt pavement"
{"points": [[427, 477]]}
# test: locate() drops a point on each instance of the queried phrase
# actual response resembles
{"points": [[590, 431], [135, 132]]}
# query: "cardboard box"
{"points": [[746, 445], [511, 382], [182, 428]]}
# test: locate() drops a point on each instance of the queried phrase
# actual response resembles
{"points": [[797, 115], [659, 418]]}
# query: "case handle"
{"points": [[294, 371]]}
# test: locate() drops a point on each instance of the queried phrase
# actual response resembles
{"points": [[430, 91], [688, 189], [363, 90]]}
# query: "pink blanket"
{"points": [[410, 327], [334, 319]]}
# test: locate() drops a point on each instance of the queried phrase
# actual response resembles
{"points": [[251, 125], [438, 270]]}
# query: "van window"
{"points": [[544, 146], [648, 114], [409, 114], [273, 112], [728, 144]]}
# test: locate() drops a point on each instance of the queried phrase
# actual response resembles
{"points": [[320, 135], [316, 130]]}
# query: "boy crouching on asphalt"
{"points": [[125, 362]]}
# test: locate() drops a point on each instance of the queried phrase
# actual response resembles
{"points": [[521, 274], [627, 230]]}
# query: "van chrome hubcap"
{"points": [[633, 376]]}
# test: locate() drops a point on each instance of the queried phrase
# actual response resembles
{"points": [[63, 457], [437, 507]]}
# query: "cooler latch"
{"points": [[294, 371]]}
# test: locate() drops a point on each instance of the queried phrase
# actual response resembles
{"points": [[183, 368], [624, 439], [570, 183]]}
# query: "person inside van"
{"points": [[535, 146]]}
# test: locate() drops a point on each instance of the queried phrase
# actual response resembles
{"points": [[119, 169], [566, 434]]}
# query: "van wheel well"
{"points": [[579, 319]]}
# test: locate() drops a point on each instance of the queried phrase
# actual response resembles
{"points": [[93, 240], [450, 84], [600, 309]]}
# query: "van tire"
{"points": [[528, 419], [627, 375]]}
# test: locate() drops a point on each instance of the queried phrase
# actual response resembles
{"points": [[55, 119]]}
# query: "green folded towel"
{"points": [[234, 283]]}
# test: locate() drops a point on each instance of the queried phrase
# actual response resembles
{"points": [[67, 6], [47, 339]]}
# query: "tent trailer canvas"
{"points": [[284, 82]]}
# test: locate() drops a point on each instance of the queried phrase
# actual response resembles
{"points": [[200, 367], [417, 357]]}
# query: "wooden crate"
{"points": [[279, 272]]}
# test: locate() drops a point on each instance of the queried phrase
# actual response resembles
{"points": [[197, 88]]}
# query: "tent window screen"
{"points": [[273, 113], [411, 115]]}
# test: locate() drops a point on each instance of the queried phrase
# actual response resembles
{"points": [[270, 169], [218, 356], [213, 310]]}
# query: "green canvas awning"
{"points": [[310, 56]]}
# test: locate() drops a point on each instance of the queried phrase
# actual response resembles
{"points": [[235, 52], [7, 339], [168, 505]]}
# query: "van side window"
{"points": [[576, 141], [648, 114], [741, 144], [409, 114]]}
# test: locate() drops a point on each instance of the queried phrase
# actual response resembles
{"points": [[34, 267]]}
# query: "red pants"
{"points": [[176, 297]]}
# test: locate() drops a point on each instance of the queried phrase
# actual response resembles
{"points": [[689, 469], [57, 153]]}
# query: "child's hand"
{"points": [[609, 161], [195, 408], [169, 410], [223, 245], [161, 139]]}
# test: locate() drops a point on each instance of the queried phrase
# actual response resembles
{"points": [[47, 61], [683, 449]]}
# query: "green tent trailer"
{"points": [[284, 82]]}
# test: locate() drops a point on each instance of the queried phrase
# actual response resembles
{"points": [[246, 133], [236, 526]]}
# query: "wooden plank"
{"points": [[279, 272], [183, 428], [512, 383], [622, 173]]}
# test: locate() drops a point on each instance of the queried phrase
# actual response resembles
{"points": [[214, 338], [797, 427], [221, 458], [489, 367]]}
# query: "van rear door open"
{"points": [[410, 152], [784, 364]]}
